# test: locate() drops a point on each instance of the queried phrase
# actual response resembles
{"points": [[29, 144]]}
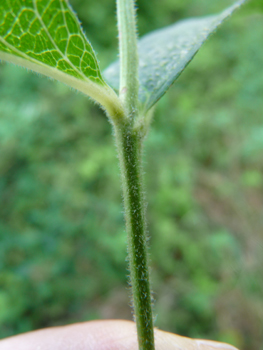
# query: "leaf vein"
{"points": [[55, 45]]}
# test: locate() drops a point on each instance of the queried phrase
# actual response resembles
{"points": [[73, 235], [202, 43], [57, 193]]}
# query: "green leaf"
{"points": [[164, 53], [46, 37]]}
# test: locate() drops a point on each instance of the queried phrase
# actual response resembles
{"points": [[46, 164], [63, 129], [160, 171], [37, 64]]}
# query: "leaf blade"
{"points": [[46, 36], [164, 53]]}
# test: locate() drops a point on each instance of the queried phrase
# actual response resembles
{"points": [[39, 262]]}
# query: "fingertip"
{"points": [[103, 335]]}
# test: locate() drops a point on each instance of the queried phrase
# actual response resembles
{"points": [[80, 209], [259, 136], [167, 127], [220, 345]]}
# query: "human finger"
{"points": [[102, 335]]}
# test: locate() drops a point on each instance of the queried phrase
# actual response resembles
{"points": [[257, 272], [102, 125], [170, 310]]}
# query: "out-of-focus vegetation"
{"points": [[63, 245]]}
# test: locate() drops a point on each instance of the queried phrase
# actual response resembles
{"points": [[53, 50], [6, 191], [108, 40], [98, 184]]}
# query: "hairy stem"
{"points": [[129, 144], [129, 62], [129, 136]]}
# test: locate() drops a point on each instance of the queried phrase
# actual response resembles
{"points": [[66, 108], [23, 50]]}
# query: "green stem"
{"points": [[129, 144], [130, 132], [129, 62]]}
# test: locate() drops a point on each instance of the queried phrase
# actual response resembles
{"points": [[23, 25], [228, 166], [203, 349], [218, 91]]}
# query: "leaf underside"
{"points": [[47, 32], [164, 53], [46, 37]]}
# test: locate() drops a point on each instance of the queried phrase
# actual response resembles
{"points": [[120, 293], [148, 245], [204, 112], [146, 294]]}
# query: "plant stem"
{"points": [[129, 134], [129, 144], [129, 62]]}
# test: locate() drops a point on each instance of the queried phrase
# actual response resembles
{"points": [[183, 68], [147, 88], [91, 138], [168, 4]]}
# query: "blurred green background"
{"points": [[63, 245]]}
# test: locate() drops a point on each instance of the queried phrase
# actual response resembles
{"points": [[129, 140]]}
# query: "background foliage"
{"points": [[63, 244]]}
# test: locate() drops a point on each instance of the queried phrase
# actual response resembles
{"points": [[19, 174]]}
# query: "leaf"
{"points": [[164, 53], [46, 37]]}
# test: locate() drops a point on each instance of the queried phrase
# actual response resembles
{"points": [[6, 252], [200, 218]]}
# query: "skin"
{"points": [[102, 335]]}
